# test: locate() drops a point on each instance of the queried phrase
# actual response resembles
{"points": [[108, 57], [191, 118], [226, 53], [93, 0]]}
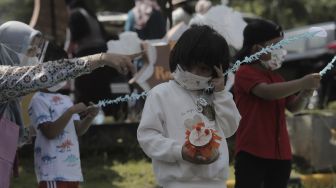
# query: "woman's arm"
{"points": [[18, 81]]}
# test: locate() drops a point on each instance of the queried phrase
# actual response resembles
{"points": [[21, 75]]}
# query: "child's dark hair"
{"points": [[258, 31], [200, 44], [54, 52]]}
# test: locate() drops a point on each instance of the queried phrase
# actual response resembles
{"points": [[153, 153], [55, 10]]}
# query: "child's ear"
{"points": [[256, 48]]}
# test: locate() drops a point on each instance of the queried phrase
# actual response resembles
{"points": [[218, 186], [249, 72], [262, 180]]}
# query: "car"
{"points": [[312, 55], [313, 47], [113, 22]]}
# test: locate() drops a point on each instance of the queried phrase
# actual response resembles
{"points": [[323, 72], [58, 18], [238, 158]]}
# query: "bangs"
{"points": [[211, 51]]}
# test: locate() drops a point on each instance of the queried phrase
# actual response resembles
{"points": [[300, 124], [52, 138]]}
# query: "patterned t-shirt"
{"points": [[56, 159]]}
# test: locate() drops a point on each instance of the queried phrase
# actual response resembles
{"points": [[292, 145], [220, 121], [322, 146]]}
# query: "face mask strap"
{"points": [[43, 51]]}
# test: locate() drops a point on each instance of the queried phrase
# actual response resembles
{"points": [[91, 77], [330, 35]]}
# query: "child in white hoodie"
{"points": [[197, 61]]}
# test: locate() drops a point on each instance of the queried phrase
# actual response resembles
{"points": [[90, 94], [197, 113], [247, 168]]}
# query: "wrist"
{"points": [[300, 84], [90, 118], [307, 93], [101, 59], [97, 59], [70, 111]]}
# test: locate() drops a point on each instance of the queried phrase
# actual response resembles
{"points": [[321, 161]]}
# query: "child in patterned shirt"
{"points": [[58, 125]]}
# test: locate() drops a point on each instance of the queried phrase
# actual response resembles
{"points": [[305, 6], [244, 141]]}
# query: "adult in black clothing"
{"points": [[89, 37]]}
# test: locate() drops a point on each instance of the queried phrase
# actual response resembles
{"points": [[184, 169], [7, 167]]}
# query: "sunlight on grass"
{"points": [[100, 172], [114, 174], [135, 174]]}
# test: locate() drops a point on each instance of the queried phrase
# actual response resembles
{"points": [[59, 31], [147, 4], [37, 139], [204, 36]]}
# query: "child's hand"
{"points": [[197, 159], [310, 81], [218, 82], [78, 108], [91, 111], [307, 93]]}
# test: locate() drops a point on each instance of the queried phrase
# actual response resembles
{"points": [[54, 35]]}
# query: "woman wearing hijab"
{"points": [[21, 73], [17, 80], [17, 41]]}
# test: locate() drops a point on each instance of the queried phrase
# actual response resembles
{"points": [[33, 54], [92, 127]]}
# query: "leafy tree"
{"points": [[20, 10], [289, 13]]}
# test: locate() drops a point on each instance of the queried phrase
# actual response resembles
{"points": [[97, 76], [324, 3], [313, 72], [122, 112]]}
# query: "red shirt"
{"points": [[262, 130]]}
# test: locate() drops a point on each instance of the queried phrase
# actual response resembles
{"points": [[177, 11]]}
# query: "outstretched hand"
{"points": [[90, 112], [311, 81], [78, 108], [307, 93], [122, 63]]}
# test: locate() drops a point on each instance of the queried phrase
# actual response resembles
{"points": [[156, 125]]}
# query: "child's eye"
{"points": [[205, 68]]}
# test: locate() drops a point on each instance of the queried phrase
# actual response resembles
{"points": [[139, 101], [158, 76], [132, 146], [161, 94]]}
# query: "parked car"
{"points": [[113, 22], [312, 55]]}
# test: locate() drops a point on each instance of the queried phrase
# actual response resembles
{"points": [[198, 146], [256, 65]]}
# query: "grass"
{"points": [[27, 178], [99, 172], [110, 172]]}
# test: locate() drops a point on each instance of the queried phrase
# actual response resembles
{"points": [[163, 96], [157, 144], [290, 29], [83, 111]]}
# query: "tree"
{"points": [[289, 13], [22, 12]]}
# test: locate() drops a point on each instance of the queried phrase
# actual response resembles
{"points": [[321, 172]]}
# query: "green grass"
{"points": [[103, 172], [135, 174], [27, 178], [98, 172]]}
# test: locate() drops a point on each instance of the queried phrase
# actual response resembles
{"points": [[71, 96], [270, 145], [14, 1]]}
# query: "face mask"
{"points": [[190, 81], [277, 58], [57, 86]]}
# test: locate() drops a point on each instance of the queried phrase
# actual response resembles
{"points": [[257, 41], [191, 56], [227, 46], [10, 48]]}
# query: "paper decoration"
{"points": [[202, 141]]}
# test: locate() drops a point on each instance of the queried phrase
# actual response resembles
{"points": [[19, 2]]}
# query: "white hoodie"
{"points": [[169, 110]]}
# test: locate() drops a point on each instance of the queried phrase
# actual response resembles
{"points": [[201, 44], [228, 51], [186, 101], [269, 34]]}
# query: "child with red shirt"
{"points": [[263, 154]]}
